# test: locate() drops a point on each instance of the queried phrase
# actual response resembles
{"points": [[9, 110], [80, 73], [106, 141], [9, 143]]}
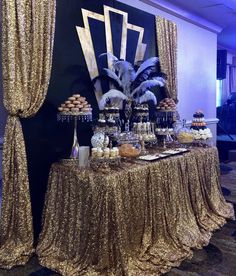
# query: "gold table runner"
{"points": [[140, 220]]}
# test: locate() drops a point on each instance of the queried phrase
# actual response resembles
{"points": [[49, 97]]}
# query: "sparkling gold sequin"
{"points": [[28, 35], [167, 51], [138, 220]]}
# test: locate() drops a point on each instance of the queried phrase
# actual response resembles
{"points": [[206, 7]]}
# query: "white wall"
{"points": [[196, 64]]}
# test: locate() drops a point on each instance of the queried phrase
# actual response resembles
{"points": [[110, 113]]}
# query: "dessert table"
{"points": [[139, 219]]}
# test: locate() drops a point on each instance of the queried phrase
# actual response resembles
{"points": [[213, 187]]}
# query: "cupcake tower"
{"points": [[198, 127], [141, 110], [111, 111], [75, 105], [198, 121]]}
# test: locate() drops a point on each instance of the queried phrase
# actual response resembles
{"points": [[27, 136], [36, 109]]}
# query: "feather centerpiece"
{"points": [[111, 94], [147, 63], [148, 84], [148, 96], [110, 56], [131, 84], [111, 74]]}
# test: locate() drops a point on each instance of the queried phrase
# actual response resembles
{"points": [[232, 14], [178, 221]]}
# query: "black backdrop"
{"points": [[47, 140]]}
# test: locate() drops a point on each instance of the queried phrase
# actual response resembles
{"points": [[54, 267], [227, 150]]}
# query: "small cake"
{"points": [[141, 108], [110, 109], [140, 112], [198, 127], [111, 122], [101, 122], [94, 152], [106, 152]]}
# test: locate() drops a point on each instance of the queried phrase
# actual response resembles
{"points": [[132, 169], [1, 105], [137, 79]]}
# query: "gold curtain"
{"points": [[167, 49], [28, 35]]}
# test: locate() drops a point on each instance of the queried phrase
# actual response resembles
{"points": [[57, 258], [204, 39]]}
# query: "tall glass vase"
{"points": [[128, 112]]}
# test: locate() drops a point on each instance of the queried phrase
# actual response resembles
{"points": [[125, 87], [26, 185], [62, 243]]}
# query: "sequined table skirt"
{"points": [[141, 219]]}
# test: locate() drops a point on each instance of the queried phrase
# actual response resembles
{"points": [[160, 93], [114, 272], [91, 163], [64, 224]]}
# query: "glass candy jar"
{"points": [[184, 134], [99, 139]]}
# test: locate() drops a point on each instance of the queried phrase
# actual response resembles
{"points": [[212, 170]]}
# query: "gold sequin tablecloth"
{"points": [[139, 220]]}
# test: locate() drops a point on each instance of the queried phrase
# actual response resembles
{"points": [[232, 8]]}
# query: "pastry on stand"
{"points": [[167, 104], [73, 109], [166, 117]]}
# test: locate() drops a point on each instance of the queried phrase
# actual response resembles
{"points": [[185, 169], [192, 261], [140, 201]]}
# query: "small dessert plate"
{"points": [[181, 150], [151, 157], [170, 152]]}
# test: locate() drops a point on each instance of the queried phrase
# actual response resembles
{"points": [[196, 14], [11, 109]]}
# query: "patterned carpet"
{"points": [[216, 259]]}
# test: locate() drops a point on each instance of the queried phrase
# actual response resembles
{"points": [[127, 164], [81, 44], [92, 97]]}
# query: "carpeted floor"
{"points": [[216, 259]]}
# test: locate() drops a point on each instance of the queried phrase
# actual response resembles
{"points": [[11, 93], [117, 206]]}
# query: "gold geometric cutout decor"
{"points": [[86, 41]]}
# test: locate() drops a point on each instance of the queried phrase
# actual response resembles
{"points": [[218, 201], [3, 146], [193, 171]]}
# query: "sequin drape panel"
{"points": [[28, 35], [167, 50], [140, 220]]}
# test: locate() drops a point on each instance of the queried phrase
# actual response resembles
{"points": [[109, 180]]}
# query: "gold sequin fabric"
{"points": [[167, 51], [138, 219], [27, 43]]}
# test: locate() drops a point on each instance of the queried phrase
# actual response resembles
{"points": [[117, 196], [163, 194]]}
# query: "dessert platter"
{"points": [[163, 154], [166, 118]]}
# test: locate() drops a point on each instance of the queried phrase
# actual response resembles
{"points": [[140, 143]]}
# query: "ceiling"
{"points": [[219, 12]]}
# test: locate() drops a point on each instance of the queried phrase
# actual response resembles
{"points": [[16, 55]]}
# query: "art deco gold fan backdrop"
{"points": [[84, 34]]}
